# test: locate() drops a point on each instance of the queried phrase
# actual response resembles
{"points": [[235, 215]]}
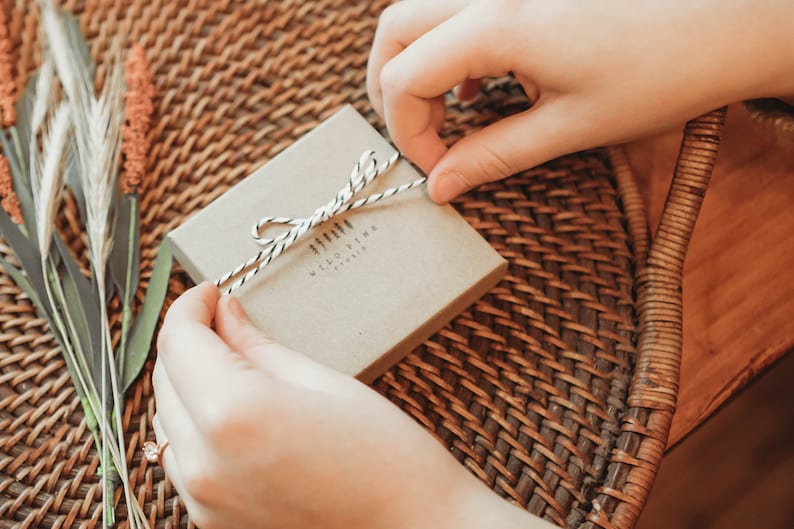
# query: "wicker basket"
{"points": [[557, 389]]}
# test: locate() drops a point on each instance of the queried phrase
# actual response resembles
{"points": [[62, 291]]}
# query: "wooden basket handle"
{"points": [[659, 264], [660, 261]]}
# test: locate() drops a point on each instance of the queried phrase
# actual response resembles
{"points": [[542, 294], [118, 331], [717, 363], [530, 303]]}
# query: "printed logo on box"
{"points": [[340, 245]]}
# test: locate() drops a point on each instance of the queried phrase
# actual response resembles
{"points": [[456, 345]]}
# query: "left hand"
{"points": [[262, 437]]}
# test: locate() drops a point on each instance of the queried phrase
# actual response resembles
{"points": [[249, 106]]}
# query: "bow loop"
{"points": [[364, 172]]}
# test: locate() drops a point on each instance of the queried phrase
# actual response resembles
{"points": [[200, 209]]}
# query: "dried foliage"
{"points": [[76, 141]]}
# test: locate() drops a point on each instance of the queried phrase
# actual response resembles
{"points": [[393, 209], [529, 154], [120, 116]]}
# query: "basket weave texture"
{"points": [[556, 389]]}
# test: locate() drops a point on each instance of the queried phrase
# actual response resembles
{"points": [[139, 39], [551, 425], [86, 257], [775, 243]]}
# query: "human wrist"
{"points": [[765, 53], [475, 506]]}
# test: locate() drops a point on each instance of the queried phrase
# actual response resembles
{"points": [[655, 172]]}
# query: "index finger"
{"points": [[197, 305], [432, 65], [400, 24]]}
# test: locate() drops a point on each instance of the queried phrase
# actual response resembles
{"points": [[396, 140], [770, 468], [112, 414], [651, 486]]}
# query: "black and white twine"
{"points": [[364, 172]]}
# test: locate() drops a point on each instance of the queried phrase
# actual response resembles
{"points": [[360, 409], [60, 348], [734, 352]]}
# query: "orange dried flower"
{"points": [[138, 115], [8, 87], [10, 202]]}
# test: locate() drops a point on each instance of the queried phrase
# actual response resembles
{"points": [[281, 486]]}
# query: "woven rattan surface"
{"points": [[537, 389]]}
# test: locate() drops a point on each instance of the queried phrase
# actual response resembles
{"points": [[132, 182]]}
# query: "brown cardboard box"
{"points": [[362, 290]]}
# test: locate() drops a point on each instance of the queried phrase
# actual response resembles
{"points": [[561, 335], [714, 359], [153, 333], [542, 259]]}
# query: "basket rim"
{"points": [[645, 424]]}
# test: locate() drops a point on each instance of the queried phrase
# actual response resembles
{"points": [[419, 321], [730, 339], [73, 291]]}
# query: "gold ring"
{"points": [[153, 451]]}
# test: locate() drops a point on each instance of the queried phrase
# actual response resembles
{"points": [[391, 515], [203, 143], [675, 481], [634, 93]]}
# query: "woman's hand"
{"points": [[262, 437], [596, 72]]}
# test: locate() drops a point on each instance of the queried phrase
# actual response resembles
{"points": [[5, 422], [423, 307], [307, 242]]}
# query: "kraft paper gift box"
{"points": [[362, 290]]}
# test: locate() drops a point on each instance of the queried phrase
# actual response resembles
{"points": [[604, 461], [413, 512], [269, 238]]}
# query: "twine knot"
{"points": [[364, 172]]}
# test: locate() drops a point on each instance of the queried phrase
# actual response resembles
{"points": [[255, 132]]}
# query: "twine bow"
{"points": [[365, 171]]}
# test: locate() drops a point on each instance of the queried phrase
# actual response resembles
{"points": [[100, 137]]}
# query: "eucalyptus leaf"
{"points": [[85, 307], [124, 264], [24, 107], [87, 293], [77, 316], [27, 253], [125, 255], [143, 328]]}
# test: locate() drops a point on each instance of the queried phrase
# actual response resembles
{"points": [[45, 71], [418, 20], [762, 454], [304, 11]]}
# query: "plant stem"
{"points": [[108, 515], [126, 315], [126, 320], [51, 275], [109, 362]]}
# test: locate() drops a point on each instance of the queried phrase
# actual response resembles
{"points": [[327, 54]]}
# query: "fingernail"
{"points": [[236, 308], [446, 186]]}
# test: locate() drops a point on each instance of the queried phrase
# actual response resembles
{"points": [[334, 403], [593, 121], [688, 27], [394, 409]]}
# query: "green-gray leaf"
{"points": [[24, 107], [84, 309], [77, 316], [125, 241], [27, 253], [145, 323]]}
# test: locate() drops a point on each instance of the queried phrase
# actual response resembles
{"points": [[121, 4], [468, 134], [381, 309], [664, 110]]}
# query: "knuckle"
{"points": [[201, 484], [214, 421], [467, 180], [258, 339], [239, 425], [232, 426], [232, 435], [392, 78], [492, 165], [228, 432]]}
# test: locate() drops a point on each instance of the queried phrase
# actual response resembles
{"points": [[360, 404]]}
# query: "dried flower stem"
{"points": [[10, 202], [75, 307], [138, 115], [87, 388], [8, 97], [126, 302], [135, 148], [98, 141], [7, 85]]}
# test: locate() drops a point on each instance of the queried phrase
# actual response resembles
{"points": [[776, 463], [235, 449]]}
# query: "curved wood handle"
{"points": [[659, 277]]}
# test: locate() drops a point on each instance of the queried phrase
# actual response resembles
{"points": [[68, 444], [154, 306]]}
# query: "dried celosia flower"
{"points": [[10, 202], [138, 115], [7, 85]]}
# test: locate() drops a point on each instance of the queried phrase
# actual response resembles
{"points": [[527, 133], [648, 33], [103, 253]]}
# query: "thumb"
{"points": [[511, 145], [233, 327]]}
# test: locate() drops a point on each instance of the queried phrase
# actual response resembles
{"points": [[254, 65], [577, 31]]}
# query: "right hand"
{"points": [[596, 73]]}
